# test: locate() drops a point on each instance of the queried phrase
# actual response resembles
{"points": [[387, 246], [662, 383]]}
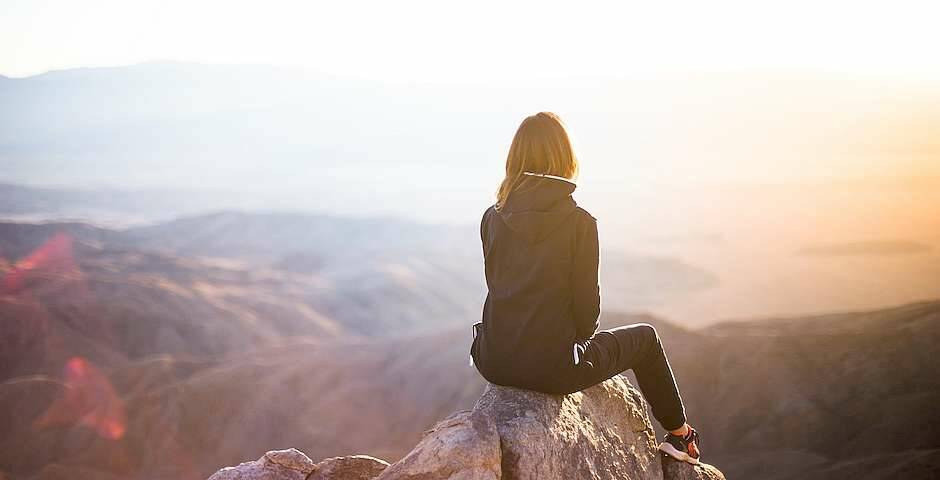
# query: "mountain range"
{"points": [[178, 348], [287, 138]]}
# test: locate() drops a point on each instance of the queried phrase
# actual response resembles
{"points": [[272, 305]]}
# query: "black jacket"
{"points": [[541, 255]]}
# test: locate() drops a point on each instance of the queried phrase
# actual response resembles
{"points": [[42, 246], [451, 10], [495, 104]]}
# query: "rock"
{"points": [[464, 446], [603, 432], [676, 470], [353, 467], [292, 464], [599, 433]]}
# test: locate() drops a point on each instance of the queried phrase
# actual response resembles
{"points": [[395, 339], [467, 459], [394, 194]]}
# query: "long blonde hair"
{"points": [[541, 146]]}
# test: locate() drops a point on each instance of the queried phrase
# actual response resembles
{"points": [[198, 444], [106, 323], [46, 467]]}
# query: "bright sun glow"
{"points": [[477, 42]]}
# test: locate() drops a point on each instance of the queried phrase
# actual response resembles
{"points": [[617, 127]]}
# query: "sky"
{"points": [[482, 42], [798, 102]]}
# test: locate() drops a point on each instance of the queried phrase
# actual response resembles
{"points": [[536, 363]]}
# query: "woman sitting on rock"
{"points": [[540, 317]]}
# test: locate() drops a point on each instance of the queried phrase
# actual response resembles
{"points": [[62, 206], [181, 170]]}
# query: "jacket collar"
{"points": [[545, 175]]}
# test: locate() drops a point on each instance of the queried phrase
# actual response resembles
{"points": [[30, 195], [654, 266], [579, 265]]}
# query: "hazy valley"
{"points": [[138, 353]]}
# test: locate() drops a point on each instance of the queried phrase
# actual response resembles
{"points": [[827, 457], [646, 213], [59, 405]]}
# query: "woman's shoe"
{"points": [[684, 449]]}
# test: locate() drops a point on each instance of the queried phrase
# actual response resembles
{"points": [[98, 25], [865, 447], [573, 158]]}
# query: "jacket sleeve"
{"points": [[586, 302]]}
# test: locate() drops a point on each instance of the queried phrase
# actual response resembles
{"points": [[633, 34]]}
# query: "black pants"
{"points": [[636, 347]]}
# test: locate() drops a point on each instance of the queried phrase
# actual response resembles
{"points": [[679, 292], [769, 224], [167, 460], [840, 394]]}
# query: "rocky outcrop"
{"points": [[603, 432], [292, 464]]}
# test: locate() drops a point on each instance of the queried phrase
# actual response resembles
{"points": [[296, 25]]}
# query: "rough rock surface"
{"points": [[600, 433], [603, 432], [463, 446], [353, 467], [675, 470], [292, 464]]}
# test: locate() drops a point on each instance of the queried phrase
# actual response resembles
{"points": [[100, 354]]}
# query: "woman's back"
{"points": [[540, 252]]}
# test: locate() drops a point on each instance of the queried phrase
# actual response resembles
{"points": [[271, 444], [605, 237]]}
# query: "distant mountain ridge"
{"points": [[279, 131], [104, 206], [274, 234]]}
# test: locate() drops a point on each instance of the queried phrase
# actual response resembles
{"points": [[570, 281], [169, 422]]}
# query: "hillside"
{"points": [[832, 370], [373, 277], [329, 398], [849, 395], [148, 306], [377, 397]]}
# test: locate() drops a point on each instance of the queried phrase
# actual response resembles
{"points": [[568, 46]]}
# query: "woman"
{"points": [[540, 317]]}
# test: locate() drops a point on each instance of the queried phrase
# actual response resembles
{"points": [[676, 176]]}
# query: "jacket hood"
{"points": [[538, 206]]}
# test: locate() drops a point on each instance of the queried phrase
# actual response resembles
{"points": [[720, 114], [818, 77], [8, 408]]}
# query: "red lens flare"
{"points": [[48, 277], [51, 259], [88, 400]]}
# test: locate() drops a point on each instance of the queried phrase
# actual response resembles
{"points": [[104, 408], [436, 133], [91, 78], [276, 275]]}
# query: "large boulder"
{"points": [[603, 432]]}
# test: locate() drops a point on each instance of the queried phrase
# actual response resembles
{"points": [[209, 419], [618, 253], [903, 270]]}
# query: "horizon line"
{"points": [[802, 73]]}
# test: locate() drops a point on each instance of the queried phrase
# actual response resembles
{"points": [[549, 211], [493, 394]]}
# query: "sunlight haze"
{"points": [[481, 42]]}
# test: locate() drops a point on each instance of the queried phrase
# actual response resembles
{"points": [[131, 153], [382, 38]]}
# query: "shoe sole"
{"points": [[668, 449]]}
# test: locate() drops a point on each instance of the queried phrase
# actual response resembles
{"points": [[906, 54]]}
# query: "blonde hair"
{"points": [[541, 146]]}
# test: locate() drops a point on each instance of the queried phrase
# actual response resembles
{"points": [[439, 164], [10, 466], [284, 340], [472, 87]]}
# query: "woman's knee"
{"points": [[647, 332]]}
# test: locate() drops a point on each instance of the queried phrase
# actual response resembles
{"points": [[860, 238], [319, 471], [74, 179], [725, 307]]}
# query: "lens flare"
{"points": [[51, 259], [88, 400]]}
